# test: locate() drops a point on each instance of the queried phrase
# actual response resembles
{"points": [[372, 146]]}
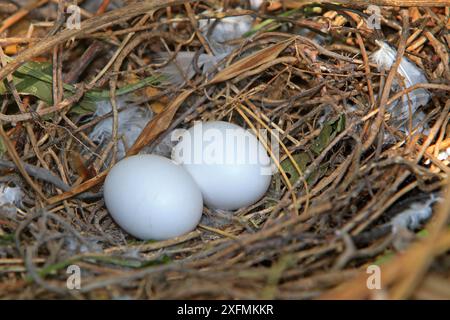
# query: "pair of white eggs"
{"points": [[216, 163]]}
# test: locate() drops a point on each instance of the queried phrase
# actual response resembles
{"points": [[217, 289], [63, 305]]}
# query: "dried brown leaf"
{"points": [[248, 63], [158, 124]]}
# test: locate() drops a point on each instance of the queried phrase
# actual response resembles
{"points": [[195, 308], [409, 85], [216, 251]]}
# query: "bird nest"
{"points": [[357, 185]]}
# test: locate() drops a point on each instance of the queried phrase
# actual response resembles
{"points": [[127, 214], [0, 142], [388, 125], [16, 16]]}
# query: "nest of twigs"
{"points": [[326, 216]]}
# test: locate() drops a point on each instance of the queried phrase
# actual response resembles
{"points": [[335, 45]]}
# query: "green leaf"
{"points": [[6, 239], [329, 131], [27, 85], [88, 103], [385, 257], [2, 148], [302, 159], [35, 79], [423, 233], [268, 22]]}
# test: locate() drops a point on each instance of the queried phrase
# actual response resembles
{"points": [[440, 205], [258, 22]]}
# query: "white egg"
{"points": [[152, 197], [227, 162]]}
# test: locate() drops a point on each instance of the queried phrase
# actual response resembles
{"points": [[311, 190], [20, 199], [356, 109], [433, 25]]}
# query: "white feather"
{"points": [[226, 29], [73, 245], [132, 121], [256, 4], [384, 58], [209, 63], [10, 195], [415, 215], [164, 147], [182, 68]]}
